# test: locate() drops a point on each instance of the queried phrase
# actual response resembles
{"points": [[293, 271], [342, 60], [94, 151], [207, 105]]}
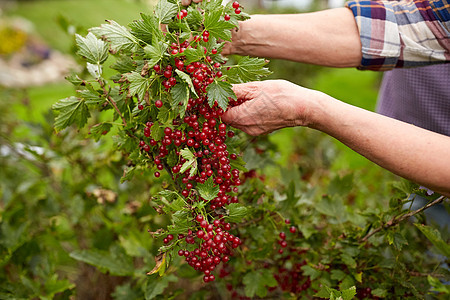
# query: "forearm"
{"points": [[328, 38], [406, 150]]}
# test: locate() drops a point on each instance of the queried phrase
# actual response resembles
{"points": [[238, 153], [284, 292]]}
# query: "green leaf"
{"points": [[238, 164], [349, 293], [146, 28], [348, 260], [114, 261], [236, 212], [99, 130], [220, 91], [128, 173], [124, 64], [208, 190], [437, 285], [165, 11], [180, 94], [193, 54], [155, 52], [187, 154], [118, 36], [187, 79], [138, 84], [256, 283], [218, 27], [156, 286], [337, 275], [379, 292], [91, 97], [397, 239], [310, 271], [72, 110], [435, 238], [164, 114], [248, 69], [194, 18], [94, 50], [95, 70], [157, 132]]}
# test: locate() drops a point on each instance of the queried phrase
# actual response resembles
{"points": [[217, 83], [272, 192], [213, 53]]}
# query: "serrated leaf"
{"points": [[91, 97], [156, 286], [220, 91], [256, 283], [118, 36], [396, 239], [349, 293], [194, 18], [94, 50], [337, 275], [435, 238], [193, 54], [74, 79], [180, 94], [248, 69], [155, 52], [138, 84], [157, 132], [72, 110], [187, 79], [164, 114], [187, 154], [238, 164], [99, 130], [114, 261], [165, 11], [145, 29], [128, 174], [218, 27], [437, 285], [310, 271], [208, 190], [236, 212], [124, 64], [348, 260]]}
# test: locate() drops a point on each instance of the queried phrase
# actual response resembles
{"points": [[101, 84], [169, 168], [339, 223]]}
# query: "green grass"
{"points": [[82, 14]]}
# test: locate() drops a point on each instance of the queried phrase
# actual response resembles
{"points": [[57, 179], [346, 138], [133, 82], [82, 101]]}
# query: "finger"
{"points": [[246, 91], [185, 2], [197, 1]]}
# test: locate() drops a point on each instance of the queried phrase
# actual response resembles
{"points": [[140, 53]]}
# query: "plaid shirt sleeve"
{"points": [[401, 34]]}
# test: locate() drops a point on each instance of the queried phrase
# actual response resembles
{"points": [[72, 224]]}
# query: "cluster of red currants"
{"points": [[203, 133]]}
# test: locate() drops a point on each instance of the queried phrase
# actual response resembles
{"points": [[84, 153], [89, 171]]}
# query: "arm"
{"points": [[406, 150], [328, 38]]}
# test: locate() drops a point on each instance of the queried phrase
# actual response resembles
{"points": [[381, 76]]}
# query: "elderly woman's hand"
{"points": [[187, 2]]}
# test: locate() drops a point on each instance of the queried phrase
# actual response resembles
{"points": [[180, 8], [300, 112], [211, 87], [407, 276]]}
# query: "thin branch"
{"points": [[395, 220], [111, 100]]}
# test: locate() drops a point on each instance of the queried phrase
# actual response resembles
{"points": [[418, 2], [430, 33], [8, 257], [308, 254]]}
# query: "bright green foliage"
{"points": [[70, 229]]}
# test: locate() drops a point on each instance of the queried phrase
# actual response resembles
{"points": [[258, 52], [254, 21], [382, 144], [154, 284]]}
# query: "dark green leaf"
{"points": [[194, 18], [114, 262], [180, 94], [91, 97], [236, 212], [248, 69], [379, 292], [72, 110], [138, 84], [435, 237], [99, 130], [124, 64], [156, 286], [193, 54], [218, 27], [220, 91], [155, 52], [165, 11], [164, 114], [128, 174], [94, 50], [119, 37], [349, 293], [187, 79], [348, 260], [146, 28], [256, 283], [157, 132]]}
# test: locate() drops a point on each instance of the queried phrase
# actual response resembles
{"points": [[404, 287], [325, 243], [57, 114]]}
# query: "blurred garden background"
{"points": [[70, 230]]}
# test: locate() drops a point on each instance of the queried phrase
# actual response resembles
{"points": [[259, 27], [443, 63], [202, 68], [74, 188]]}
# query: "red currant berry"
{"points": [[158, 103], [227, 17]]}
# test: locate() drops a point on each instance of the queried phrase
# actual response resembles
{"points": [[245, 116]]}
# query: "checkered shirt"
{"points": [[401, 34]]}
